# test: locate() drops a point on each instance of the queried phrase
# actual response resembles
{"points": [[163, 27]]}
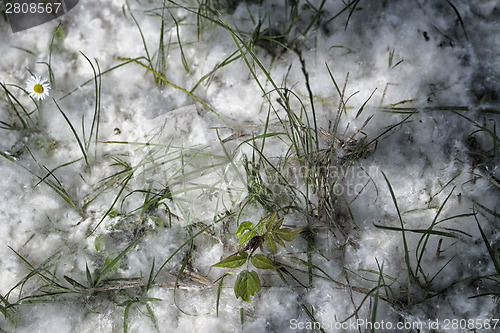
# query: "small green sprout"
{"points": [[269, 231]]}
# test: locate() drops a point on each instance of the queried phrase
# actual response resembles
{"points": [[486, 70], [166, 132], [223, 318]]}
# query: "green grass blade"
{"points": [[125, 316], [376, 298], [74, 133], [74, 283], [311, 99], [311, 316], [158, 75], [183, 57], [151, 275], [58, 32], [11, 99], [124, 185], [105, 72], [153, 317], [355, 3], [161, 64], [242, 317], [364, 104], [493, 253], [50, 173], [316, 17], [418, 231], [184, 244], [3, 311], [425, 238], [148, 58], [219, 289], [232, 57], [403, 233], [459, 18], [89, 276], [97, 110], [441, 269], [115, 261], [181, 271], [488, 210], [390, 128]]}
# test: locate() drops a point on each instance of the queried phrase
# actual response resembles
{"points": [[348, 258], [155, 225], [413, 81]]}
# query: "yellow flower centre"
{"points": [[38, 88]]}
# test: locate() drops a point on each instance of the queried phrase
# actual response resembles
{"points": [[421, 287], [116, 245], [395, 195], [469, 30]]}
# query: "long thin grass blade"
{"points": [[74, 133], [113, 262], [403, 233], [493, 253]]}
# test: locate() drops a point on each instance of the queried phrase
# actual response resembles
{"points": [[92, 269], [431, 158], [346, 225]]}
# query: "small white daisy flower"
{"points": [[38, 87]]}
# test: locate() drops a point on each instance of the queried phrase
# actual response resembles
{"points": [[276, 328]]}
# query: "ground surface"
{"points": [[188, 133]]}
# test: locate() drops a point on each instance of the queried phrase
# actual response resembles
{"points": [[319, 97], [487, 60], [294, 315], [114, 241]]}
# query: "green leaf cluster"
{"points": [[268, 228], [239, 259], [270, 231], [233, 261], [247, 284], [275, 234]]}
